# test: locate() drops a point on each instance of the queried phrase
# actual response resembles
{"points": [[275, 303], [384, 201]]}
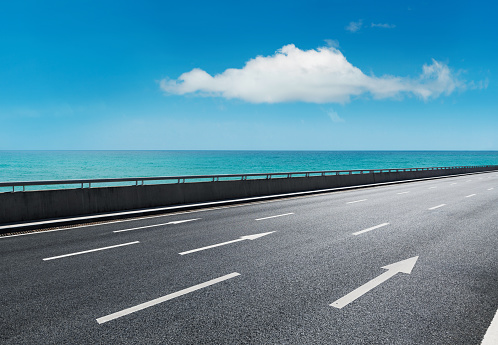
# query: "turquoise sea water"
{"points": [[60, 165]]}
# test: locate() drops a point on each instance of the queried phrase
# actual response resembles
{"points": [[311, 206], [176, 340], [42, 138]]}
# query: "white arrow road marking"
{"points": [[90, 251], [491, 336], [404, 266], [243, 238], [370, 229], [151, 226], [438, 206], [279, 215], [127, 311]]}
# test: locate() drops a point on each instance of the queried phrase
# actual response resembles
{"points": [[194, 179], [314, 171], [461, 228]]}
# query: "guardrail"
{"points": [[140, 181]]}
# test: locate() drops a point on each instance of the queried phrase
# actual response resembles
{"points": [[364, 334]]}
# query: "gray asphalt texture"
{"points": [[287, 279]]}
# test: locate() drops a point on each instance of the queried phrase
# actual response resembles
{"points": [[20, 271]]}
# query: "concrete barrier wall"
{"points": [[46, 204]]}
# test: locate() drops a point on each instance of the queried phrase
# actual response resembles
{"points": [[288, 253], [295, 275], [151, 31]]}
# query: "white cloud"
{"points": [[334, 116], [480, 85], [383, 25], [354, 26], [332, 43], [315, 76]]}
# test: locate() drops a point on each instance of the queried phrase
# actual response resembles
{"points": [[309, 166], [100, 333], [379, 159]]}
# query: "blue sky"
{"points": [[258, 75]]}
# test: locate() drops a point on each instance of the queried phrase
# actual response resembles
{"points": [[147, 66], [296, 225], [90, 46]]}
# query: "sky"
{"points": [[248, 75]]}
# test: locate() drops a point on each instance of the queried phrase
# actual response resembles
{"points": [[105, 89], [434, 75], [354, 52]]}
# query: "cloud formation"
{"points": [[334, 116], [314, 76], [332, 43], [355, 26], [383, 25]]}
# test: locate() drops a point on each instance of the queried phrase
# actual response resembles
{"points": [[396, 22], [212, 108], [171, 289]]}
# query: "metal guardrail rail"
{"points": [[140, 181]]}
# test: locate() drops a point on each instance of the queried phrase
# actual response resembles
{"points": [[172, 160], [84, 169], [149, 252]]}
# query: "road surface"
{"points": [[321, 269]]}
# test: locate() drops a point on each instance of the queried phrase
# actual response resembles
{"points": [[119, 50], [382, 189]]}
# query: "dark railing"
{"points": [[140, 181]]}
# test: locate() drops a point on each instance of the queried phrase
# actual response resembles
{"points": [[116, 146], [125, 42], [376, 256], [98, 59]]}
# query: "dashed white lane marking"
{"points": [[491, 336], [402, 193], [151, 226], [370, 229], [452, 184], [90, 251], [353, 202], [490, 188], [278, 215], [438, 206], [432, 187], [145, 305], [471, 195]]}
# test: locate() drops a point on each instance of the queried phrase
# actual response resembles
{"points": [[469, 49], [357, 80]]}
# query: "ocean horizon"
{"points": [[33, 165]]}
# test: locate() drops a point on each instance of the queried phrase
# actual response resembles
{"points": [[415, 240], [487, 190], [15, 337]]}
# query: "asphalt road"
{"points": [[279, 288]]}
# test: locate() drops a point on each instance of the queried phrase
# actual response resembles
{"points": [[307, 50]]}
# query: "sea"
{"points": [[62, 165]]}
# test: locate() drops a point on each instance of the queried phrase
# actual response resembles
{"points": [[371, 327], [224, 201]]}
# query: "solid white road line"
{"points": [[353, 202], [402, 193], [99, 224], [438, 206], [471, 195], [145, 305], [279, 215], [491, 336], [90, 251], [370, 229], [242, 238], [151, 226]]}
